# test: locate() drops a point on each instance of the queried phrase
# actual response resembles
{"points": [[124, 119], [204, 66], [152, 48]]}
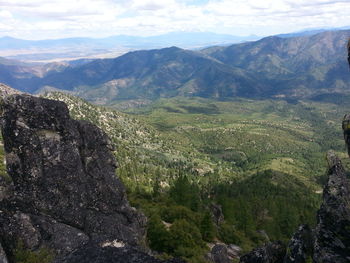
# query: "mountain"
{"points": [[61, 49], [274, 67], [312, 31], [152, 74], [293, 67], [22, 75], [183, 39]]}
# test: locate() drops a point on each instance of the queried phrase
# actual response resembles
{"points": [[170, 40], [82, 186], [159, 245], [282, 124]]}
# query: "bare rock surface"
{"points": [[270, 253], [300, 247], [332, 233], [3, 258], [64, 194]]}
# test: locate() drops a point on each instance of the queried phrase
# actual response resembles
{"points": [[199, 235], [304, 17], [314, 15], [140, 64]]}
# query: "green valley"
{"points": [[260, 161]]}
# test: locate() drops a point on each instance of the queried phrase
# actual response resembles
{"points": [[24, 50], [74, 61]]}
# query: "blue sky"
{"points": [[39, 19]]}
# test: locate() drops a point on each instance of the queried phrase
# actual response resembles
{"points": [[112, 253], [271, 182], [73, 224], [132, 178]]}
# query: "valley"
{"points": [[178, 157]]}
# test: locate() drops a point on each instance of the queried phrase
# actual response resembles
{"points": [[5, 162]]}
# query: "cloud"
{"points": [[4, 14], [67, 18], [152, 5], [59, 9]]}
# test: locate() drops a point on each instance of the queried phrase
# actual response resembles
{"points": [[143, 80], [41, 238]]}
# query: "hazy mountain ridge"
{"points": [[184, 39], [83, 47]]}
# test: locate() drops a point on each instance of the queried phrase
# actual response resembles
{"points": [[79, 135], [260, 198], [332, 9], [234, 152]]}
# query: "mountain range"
{"points": [[183, 39], [73, 48], [308, 66]]}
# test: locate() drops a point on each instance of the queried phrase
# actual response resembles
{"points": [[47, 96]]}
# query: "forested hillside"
{"points": [[205, 171]]}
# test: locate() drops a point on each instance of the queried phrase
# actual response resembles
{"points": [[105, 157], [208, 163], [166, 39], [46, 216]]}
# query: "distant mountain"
{"points": [[302, 33], [297, 67], [87, 47], [16, 75], [182, 39], [23, 76], [152, 74], [313, 31]]}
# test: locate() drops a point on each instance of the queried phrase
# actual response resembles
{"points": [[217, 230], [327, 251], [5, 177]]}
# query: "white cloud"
{"points": [[66, 18], [4, 14], [152, 4]]}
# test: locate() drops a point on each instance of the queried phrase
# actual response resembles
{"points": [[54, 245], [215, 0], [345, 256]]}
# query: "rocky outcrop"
{"points": [[63, 194], [3, 258], [346, 131], [6, 91], [222, 253], [332, 234], [270, 253], [329, 242], [115, 253], [300, 247], [217, 214]]}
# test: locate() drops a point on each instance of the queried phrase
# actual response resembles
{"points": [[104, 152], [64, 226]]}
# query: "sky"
{"points": [[47, 19]]}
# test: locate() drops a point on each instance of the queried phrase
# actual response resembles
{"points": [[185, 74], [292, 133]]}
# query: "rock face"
{"points": [[222, 253], [6, 91], [3, 258], [332, 234], [270, 253], [346, 131], [300, 247], [107, 254], [217, 214], [64, 194]]}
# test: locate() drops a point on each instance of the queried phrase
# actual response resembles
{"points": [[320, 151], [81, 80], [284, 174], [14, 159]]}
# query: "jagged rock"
{"points": [[300, 246], [346, 131], [5, 187], [218, 254], [222, 253], [332, 233], [64, 194], [114, 252], [217, 214], [3, 258], [233, 251], [6, 91], [270, 253]]}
